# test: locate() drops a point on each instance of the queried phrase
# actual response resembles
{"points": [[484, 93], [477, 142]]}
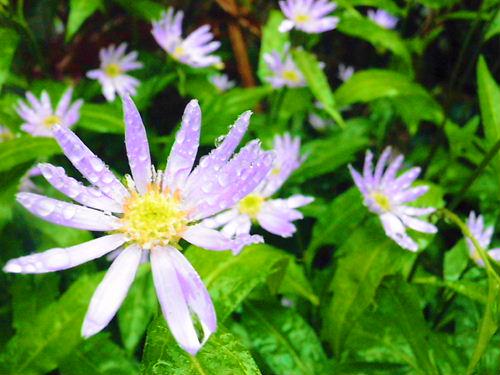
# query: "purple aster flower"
{"points": [[283, 69], [112, 72], [151, 213], [382, 18], [345, 72], [222, 82], [40, 117], [274, 215], [195, 50], [310, 16], [317, 121], [483, 235], [387, 195]]}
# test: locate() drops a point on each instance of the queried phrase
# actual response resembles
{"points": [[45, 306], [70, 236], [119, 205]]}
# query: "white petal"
{"points": [[112, 290], [395, 230]]}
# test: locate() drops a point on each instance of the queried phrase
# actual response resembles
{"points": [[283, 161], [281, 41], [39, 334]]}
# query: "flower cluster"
{"points": [[387, 195], [195, 50], [112, 72], [40, 117]]}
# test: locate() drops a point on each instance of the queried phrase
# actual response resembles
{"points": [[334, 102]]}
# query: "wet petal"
{"points": [[63, 258], [395, 230], [112, 290]]}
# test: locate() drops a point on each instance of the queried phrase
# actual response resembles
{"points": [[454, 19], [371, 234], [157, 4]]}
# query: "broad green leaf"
{"points": [[437, 4], [456, 261], [296, 282], [229, 278], [79, 11], [284, 341], [102, 118], [98, 356], [8, 45], [25, 149], [470, 289], [9, 185], [148, 10], [318, 82], [53, 334], [411, 100], [489, 97], [342, 216], [138, 309], [223, 110], [223, 354], [272, 40], [389, 5], [405, 313], [363, 28], [328, 154], [30, 295], [362, 262]]}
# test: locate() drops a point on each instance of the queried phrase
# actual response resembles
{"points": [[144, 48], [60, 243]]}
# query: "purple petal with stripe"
{"points": [[136, 142], [67, 214]]}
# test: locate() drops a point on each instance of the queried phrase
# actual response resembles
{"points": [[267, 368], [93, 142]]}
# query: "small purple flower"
{"points": [[195, 50], [274, 215], [386, 195], [483, 235], [151, 213], [383, 18], [40, 117], [111, 74], [317, 121], [284, 71], [310, 16], [345, 72], [222, 82]]}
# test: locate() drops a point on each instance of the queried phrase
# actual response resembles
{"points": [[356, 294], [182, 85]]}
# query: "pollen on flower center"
{"points": [[291, 75], [251, 205], [154, 218], [302, 18], [113, 70], [51, 120], [179, 52], [382, 201]]}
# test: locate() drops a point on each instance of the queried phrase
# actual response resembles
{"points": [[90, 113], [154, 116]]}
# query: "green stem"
{"points": [[470, 181]]}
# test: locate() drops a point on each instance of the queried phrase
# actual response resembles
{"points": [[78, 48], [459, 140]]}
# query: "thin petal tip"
{"points": [[12, 267]]}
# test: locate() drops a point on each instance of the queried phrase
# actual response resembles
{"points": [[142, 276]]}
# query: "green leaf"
{"points": [[25, 149], [229, 278], [456, 261], [296, 282], [79, 11], [148, 10], [53, 334], [494, 27], [489, 97], [222, 110], [222, 354], [388, 5], [272, 40], [138, 309], [405, 313], [281, 337], [343, 215], [149, 88], [318, 83], [411, 100], [328, 154], [102, 118], [98, 356], [362, 262], [364, 28], [8, 45]]}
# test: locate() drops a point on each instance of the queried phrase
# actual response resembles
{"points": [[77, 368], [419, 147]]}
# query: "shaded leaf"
{"points": [[102, 118], [8, 45], [79, 11], [25, 149]]}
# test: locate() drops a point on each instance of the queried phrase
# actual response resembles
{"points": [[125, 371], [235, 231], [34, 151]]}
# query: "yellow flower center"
{"points": [[51, 120], [382, 201], [275, 171], [154, 218], [302, 18], [251, 205], [113, 70], [291, 75], [179, 52]]}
